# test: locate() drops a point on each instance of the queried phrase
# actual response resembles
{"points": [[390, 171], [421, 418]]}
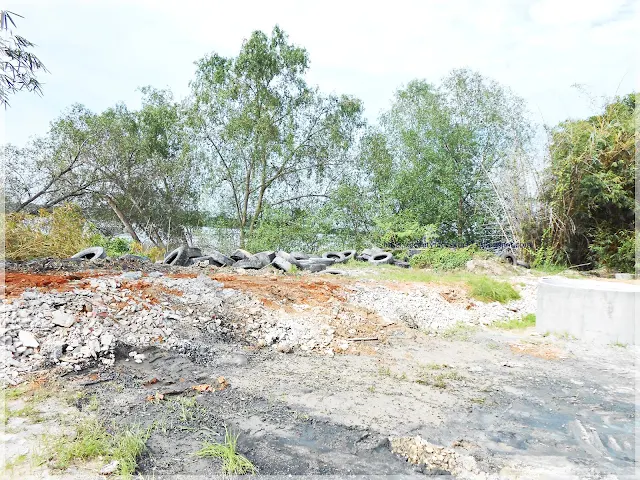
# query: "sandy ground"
{"points": [[519, 404]]}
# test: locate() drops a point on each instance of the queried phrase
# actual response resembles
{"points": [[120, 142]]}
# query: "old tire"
{"points": [[281, 264], [92, 253], [510, 258], [381, 258], [134, 258], [522, 264], [349, 255], [206, 258], [194, 252], [316, 267], [401, 264], [239, 254], [337, 256], [220, 260], [265, 257], [322, 261], [178, 257], [299, 255], [288, 257], [251, 263]]}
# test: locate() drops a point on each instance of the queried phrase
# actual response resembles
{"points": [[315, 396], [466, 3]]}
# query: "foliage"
{"points": [[589, 189], [440, 147], [489, 290], [233, 463], [60, 233], [18, 65], [523, 322], [442, 258], [265, 135], [401, 230], [114, 247], [153, 253]]}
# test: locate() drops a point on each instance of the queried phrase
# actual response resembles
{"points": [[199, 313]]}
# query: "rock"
{"points": [[283, 347], [155, 274], [139, 358], [28, 339], [131, 275], [62, 319], [110, 468]]}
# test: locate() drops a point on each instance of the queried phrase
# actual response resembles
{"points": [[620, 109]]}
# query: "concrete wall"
{"points": [[604, 312]]}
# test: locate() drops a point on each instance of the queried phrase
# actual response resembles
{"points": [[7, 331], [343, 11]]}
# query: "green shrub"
{"points": [[114, 247], [442, 258], [488, 290]]}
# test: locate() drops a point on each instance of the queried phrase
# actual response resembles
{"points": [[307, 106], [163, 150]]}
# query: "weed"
{"points": [[13, 463], [460, 331], [619, 344], [28, 411], [384, 371], [488, 290], [91, 440], [232, 462], [93, 404], [15, 392], [442, 258], [493, 346], [372, 389], [526, 321], [186, 407], [478, 401], [294, 269], [440, 379]]}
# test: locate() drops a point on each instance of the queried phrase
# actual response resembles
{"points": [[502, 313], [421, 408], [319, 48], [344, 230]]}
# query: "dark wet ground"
{"points": [[551, 419]]}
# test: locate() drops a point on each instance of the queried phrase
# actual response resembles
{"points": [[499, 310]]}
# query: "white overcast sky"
{"points": [[100, 52]]}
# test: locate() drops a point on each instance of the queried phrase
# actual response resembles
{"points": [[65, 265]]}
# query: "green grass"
{"points": [[28, 411], [460, 331], [92, 441], [478, 401], [438, 376], [480, 287], [521, 323], [489, 290], [13, 463], [619, 344], [442, 258], [233, 463]]}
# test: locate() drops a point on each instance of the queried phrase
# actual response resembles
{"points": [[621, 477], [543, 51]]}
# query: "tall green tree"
{"points": [[442, 148], [268, 138]]}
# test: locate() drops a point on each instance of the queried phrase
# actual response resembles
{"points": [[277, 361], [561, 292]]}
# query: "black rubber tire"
{"points": [[178, 257], [349, 255], [239, 254], [206, 258], [194, 252], [400, 263], [251, 263], [221, 260], [265, 257], [300, 256], [381, 258], [92, 253], [363, 258], [337, 256], [523, 264], [316, 267], [281, 264], [321, 261], [288, 257], [510, 258]]}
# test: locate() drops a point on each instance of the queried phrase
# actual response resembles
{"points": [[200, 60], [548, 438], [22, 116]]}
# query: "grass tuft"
{"points": [[460, 331], [232, 462], [521, 323], [488, 290], [91, 440]]}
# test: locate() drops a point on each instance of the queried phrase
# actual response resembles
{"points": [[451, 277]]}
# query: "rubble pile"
{"points": [[439, 460]]}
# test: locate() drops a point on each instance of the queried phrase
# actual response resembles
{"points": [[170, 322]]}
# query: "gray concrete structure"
{"points": [[599, 311]]}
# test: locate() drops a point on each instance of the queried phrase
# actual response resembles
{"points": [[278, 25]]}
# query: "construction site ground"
{"points": [[318, 374]]}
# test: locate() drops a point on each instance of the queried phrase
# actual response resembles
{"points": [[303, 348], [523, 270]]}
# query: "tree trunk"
{"points": [[125, 222]]}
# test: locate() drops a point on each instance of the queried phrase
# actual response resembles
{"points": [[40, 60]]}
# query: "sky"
{"points": [[100, 52]]}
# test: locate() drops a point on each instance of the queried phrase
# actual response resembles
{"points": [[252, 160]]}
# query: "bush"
{"points": [[442, 258], [57, 234], [114, 247], [489, 290], [153, 253]]}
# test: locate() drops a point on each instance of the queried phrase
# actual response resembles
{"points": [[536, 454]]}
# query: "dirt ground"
{"points": [[508, 404]]}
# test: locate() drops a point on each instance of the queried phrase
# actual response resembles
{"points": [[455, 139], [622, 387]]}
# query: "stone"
{"points": [[62, 319], [283, 347], [28, 339], [110, 468], [131, 275]]}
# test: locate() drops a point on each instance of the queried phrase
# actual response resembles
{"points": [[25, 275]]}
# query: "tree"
{"points": [[446, 146], [266, 136], [19, 65], [134, 165], [589, 189]]}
